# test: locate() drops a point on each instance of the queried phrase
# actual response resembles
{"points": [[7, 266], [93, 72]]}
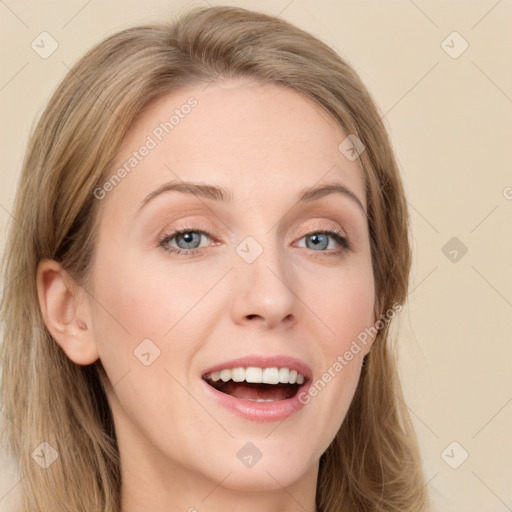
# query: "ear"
{"points": [[66, 312]]}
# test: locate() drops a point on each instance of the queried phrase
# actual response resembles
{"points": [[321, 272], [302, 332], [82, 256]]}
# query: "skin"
{"points": [[264, 143]]}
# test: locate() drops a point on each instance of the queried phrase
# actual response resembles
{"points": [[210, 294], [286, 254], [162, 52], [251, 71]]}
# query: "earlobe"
{"points": [[65, 313]]}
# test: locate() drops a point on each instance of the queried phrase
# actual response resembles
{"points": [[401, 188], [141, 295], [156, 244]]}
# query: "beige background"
{"points": [[449, 119]]}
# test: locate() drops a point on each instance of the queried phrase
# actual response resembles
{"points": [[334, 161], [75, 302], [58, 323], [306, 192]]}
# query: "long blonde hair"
{"points": [[373, 462]]}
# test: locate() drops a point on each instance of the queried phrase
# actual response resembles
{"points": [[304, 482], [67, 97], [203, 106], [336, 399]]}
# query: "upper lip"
{"points": [[282, 361]]}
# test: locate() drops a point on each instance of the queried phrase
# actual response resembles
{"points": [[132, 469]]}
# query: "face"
{"points": [[215, 339]]}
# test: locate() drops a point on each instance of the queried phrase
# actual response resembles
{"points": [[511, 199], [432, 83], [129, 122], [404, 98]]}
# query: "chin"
{"points": [[262, 465]]}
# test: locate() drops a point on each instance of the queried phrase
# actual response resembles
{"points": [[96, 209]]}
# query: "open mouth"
{"points": [[257, 384]]}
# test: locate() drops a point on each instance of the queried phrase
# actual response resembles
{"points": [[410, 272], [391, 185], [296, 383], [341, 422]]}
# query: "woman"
{"points": [[211, 242]]}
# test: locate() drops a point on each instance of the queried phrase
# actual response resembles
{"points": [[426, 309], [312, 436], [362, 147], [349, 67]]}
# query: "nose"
{"points": [[263, 291]]}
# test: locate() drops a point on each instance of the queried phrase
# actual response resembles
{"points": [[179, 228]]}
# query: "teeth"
{"points": [[284, 374], [256, 375], [253, 374], [270, 376], [237, 374]]}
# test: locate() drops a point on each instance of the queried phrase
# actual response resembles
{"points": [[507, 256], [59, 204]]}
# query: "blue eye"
{"points": [[320, 240], [188, 240]]}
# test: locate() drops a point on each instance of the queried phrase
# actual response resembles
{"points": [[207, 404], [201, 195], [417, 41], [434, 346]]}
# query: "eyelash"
{"points": [[340, 239]]}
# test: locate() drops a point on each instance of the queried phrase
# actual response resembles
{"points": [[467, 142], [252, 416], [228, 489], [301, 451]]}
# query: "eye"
{"points": [[319, 241], [186, 238]]}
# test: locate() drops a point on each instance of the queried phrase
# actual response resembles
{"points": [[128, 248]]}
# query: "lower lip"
{"points": [[278, 410]]}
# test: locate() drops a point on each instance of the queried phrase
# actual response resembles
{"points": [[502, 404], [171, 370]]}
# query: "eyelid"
{"points": [[206, 230], [338, 234], [317, 229], [185, 228]]}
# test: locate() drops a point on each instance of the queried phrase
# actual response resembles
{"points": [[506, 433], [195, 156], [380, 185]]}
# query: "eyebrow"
{"points": [[223, 194]]}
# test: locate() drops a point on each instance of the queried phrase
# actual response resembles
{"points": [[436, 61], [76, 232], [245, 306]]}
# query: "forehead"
{"points": [[244, 136]]}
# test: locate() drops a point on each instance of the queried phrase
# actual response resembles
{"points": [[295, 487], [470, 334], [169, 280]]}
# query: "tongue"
{"points": [[258, 391]]}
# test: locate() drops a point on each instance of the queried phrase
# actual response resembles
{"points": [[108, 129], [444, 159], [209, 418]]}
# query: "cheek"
{"points": [[139, 322], [146, 312], [141, 298], [345, 305]]}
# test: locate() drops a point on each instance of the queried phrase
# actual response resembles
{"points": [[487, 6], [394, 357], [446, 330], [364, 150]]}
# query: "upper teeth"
{"points": [[259, 375]]}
